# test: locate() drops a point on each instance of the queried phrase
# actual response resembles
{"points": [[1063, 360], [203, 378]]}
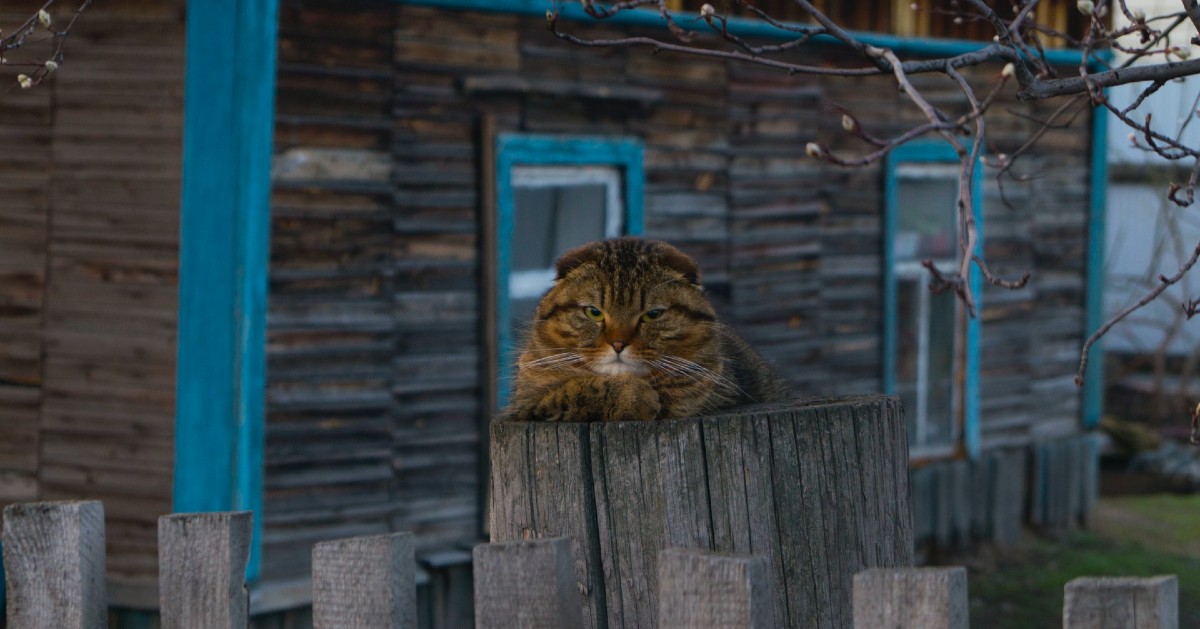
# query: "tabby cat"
{"points": [[626, 333]]}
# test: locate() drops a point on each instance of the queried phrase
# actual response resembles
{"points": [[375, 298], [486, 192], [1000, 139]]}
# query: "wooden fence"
{"points": [[54, 564]]}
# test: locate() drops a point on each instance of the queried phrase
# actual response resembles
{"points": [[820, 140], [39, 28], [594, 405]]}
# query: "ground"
{"points": [[1131, 536]]}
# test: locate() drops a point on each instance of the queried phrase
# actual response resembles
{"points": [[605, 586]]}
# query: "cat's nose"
{"points": [[618, 346]]}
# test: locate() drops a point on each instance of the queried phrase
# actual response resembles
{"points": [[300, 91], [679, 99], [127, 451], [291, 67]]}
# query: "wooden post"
{"points": [[706, 590], [527, 584], [54, 565], [365, 582], [929, 598], [1121, 602], [818, 489], [202, 569]]}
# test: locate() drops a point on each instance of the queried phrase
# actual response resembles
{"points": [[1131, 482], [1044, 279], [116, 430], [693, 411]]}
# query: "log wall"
{"points": [[88, 254], [377, 361]]}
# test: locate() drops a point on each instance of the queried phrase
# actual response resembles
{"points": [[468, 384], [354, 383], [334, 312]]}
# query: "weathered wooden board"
{"points": [[202, 569], [54, 565], [818, 490]]}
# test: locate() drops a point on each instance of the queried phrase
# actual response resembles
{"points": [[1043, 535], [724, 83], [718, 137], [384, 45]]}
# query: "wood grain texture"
{"points": [[818, 489], [365, 582], [526, 584], [704, 590], [928, 598], [1121, 602], [542, 487], [202, 569], [54, 565]]}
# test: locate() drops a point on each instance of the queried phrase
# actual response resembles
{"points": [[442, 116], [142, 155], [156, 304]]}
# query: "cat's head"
{"points": [[623, 306]]}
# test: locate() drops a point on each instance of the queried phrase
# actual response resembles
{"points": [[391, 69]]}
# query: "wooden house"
{"points": [[274, 258]]}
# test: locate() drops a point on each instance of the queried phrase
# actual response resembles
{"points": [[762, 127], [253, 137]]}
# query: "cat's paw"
{"points": [[631, 399], [606, 398]]}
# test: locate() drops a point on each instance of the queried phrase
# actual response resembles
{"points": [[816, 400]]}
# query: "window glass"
{"points": [[555, 208], [928, 332]]}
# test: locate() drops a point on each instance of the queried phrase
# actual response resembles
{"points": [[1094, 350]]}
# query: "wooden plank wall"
{"points": [[375, 356], [330, 336], [110, 318], [88, 248], [775, 223], [25, 131]]}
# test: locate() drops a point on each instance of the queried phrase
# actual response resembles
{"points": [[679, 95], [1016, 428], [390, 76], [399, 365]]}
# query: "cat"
{"points": [[626, 333]]}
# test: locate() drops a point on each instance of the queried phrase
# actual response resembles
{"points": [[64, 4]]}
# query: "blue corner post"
{"points": [[1093, 380], [223, 253]]}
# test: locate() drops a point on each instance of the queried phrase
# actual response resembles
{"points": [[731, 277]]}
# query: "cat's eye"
{"points": [[593, 313], [653, 314]]}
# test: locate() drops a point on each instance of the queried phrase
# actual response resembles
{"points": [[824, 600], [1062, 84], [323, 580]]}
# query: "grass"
{"points": [[1022, 587]]}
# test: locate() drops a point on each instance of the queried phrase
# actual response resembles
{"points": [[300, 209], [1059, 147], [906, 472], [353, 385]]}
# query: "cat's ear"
{"points": [[677, 260], [576, 258]]}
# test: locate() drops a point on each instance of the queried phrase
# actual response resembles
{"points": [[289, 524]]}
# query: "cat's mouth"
{"points": [[614, 364]]}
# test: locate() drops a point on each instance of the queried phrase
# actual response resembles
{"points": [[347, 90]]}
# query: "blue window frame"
{"points": [[553, 193], [930, 344]]}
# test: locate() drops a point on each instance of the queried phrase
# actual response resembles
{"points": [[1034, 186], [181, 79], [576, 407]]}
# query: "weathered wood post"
{"points": [[365, 582], [818, 489], [54, 565], [202, 569], [528, 584], [928, 598], [1121, 602], [698, 589]]}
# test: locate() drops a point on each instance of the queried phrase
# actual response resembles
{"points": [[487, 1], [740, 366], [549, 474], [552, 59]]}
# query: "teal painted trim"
{"points": [[932, 152], [740, 26], [223, 258], [542, 150], [891, 315], [1093, 381]]}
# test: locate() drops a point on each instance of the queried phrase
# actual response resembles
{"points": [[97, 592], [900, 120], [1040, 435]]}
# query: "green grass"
{"points": [[1137, 536]]}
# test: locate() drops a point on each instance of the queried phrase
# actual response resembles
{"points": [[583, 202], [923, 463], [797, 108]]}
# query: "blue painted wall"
{"points": [[225, 222]]}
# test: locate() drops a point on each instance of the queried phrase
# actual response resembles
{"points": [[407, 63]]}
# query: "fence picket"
{"points": [[700, 589], [202, 569], [54, 565], [365, 582], [929, 598], [1121, 602], [529, 584]]}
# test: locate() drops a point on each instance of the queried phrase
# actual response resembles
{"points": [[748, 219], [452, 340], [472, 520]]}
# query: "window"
{"points": [[553, 194], [930, 344]]}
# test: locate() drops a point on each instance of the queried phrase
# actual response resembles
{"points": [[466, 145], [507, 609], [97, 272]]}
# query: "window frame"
{"points": [[967, 441], [515, 150]]}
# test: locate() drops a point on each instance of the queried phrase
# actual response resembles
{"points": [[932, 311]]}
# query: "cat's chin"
{"points": [[615, 366]]}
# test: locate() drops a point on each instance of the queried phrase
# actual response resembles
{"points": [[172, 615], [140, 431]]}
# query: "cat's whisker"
{"points": [[555, 360], [705, 373]]}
